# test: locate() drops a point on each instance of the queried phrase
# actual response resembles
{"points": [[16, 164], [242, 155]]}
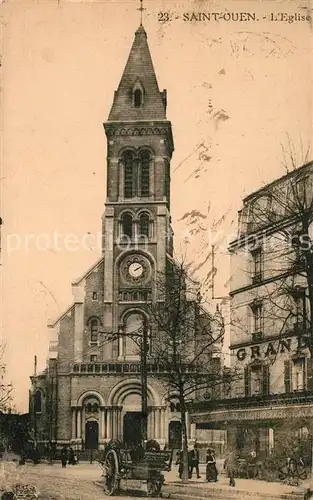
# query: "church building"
{"points": [[90, 391]]}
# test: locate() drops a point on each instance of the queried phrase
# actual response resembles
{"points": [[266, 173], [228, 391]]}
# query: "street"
{"points": [[83, 482]]}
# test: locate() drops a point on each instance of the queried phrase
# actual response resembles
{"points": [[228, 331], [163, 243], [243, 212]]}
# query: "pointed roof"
{"points": [[139, 71]]}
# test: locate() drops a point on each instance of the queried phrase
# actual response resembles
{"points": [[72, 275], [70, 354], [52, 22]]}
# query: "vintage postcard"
{"points": [[156, 249]]}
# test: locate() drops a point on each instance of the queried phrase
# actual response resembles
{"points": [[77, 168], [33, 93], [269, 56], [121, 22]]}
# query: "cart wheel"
{"points": [[111, 482], [154, 485]]}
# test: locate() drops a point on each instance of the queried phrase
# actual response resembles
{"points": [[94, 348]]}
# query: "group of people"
{"points": [[230, 465], [68, 456]]}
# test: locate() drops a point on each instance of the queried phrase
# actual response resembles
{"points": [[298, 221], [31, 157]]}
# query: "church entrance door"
{"points": [[175, 435], [132, 427], [92, 435]]}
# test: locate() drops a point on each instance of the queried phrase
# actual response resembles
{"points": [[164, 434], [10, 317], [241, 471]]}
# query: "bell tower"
{"points": [[137, 234]]}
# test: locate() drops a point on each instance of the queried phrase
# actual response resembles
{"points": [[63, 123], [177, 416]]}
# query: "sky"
{"points": [[239, 98]]}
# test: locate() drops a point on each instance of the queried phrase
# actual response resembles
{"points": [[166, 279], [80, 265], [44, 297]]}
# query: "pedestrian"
{"points": [[193, 461], [71, 457], [230, 465], [211, 470], [64, 456], [180, 463]]}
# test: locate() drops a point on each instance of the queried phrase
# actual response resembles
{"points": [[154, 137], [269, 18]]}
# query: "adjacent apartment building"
{"points": [[271, 294]]}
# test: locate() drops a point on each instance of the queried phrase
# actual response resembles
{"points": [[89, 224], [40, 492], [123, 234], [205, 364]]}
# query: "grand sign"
{"points": [[273, 348]]}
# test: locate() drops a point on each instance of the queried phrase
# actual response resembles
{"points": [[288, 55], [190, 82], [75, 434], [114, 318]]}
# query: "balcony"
{"points": [[272, 400]]}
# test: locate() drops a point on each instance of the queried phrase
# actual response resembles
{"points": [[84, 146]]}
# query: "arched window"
{"points": [[127, 226], [136, 173], [129, 174], [38, 402], [94, 330], [144, 225], [144, 177], [130, 341], [91, 405], [138, 98]]}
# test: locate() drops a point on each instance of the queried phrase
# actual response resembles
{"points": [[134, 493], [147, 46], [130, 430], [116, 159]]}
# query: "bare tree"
{"points": [[186, 343], [6, 388]]}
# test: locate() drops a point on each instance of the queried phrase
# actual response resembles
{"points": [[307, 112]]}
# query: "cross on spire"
{"points": [[141, 8]]}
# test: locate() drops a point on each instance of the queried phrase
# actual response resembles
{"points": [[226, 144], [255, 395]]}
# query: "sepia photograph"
{"points": [[156, 249]]}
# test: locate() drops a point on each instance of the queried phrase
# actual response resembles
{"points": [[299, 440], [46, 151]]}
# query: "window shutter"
{"points": [[309, 374], [266, 380], [247, 377], [287, 376]]}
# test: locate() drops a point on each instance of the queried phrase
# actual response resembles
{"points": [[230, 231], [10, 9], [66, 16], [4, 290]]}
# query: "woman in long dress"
{"points": [[211, 470]]}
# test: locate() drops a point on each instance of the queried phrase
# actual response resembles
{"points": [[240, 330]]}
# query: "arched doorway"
{"points": [[132, 427], [175, 434], [91, 435]]}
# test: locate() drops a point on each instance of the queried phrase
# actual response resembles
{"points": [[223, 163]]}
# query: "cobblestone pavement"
{"points": [[72, 483]]}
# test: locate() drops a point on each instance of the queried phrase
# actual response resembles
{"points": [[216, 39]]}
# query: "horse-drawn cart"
{"points": [[135, 463]]}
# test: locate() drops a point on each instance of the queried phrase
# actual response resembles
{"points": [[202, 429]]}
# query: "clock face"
{"points": [[135, 269]]}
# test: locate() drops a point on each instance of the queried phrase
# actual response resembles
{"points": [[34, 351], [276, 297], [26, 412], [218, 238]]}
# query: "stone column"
{"points": [[162, 431], [159, 419], [120, 422], [102, 423], [153, 423], [109, 424], [79, 423], [73, 423], [149, 423], [83, 426], [121, 180]]}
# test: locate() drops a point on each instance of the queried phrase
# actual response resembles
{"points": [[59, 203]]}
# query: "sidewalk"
{"points": [[244, 488]]}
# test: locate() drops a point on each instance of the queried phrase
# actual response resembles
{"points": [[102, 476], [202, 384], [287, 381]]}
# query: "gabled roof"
{"points": [[139, 70], [89, 271]]}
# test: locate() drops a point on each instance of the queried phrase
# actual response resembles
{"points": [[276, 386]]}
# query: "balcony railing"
{"points": [[257, 278], [257, 336], [120, 367]]}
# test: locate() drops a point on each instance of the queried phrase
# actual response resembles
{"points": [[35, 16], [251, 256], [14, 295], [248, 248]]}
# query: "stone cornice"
{"points": [[142, 128]]}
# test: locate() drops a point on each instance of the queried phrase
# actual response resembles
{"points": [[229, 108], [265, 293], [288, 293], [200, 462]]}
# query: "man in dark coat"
{"points": [[64, 456], [193, 460]]}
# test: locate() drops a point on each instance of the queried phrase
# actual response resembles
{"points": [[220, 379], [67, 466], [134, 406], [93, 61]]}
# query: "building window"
{"points": [[144, 177], [38, 402], [299, 298], [127, 226], [136, 174], [91, 406], [138, 98], [174, 406], [129, 174], [130, 341], [94, 296], [94, 330], [144, 225], [257, 380], [93, 358], [298, 374], [257, 319], [257, 263]]}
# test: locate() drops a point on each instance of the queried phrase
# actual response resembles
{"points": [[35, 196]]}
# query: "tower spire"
{"points": [[141, 9]]}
